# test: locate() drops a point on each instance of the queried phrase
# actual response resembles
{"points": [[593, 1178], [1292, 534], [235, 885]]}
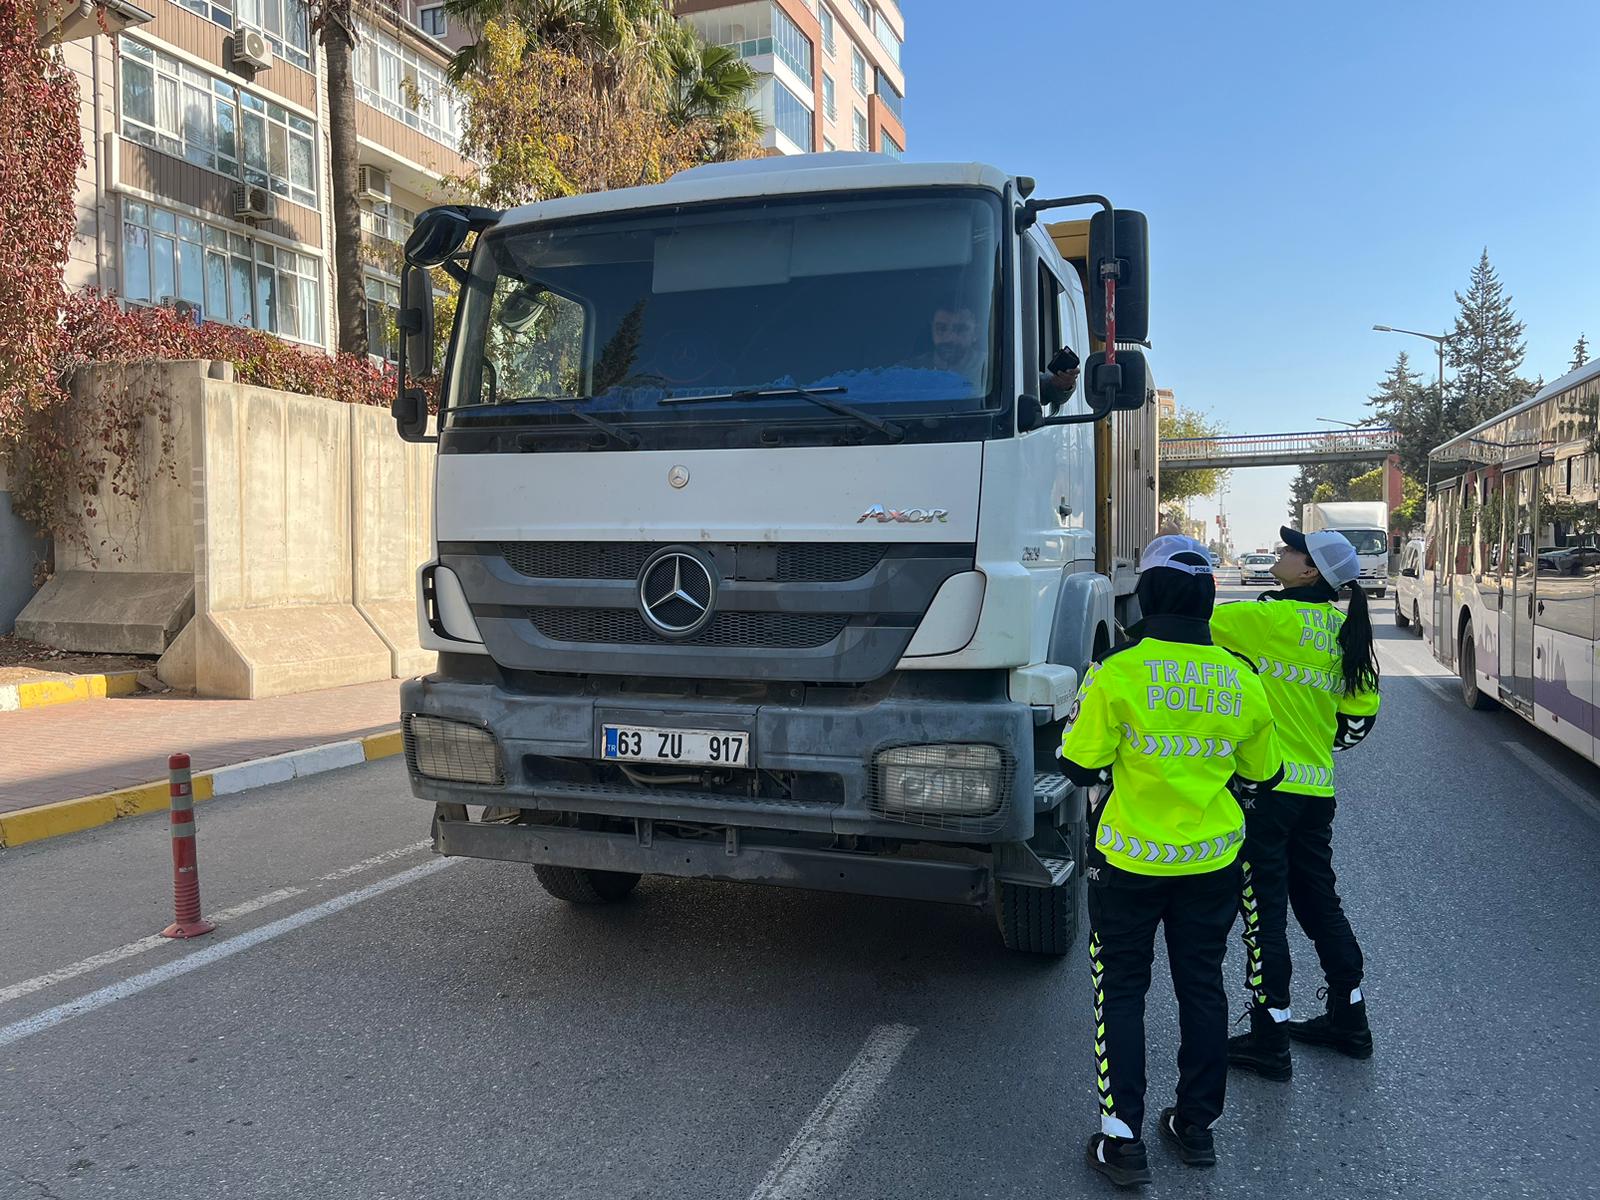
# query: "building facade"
{"points": [[831, 76], [205, 184]]}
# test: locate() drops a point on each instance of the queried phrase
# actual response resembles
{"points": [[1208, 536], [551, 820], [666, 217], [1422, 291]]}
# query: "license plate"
{"points": [[698, 747]]}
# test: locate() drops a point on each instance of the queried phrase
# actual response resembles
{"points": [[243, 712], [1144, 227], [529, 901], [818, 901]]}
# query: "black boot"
{"points": [[1195, 1144], [1265, 1049], [1343, 1027], [1123, 1162]]}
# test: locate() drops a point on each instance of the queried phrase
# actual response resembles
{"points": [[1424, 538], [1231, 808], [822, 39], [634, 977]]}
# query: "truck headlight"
{"points": [[452, 751], [956, 781]]}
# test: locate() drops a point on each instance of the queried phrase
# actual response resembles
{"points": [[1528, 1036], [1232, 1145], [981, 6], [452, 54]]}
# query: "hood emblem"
{"points": [[678, 477], [905, 516]]}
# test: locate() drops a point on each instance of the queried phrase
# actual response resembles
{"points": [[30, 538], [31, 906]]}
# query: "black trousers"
{"points": [[1196, 912], [1288, 863]]}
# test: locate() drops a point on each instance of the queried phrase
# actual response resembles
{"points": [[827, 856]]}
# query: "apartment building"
{"points": [[205, 184], [831, 72]]}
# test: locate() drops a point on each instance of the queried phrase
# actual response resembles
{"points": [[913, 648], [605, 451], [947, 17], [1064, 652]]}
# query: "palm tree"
{"points": [[711, 86], [334, 22]]}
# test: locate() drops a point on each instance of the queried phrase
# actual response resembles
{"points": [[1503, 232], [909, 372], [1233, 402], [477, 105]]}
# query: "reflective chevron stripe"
{"points": [[1276, 668], [1112, 840], [1307, 774], [1175, 746], [1102, 1063], [1252, 939]]}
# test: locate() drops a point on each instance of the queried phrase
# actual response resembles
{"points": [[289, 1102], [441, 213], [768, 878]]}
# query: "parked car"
{"points": [[1408, 604]]}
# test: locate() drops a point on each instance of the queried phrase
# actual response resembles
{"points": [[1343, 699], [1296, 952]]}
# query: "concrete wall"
{"points": [[124, 584], [290, 527]]}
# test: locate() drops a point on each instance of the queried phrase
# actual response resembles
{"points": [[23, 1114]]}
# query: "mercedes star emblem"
{"points": [[676, 590], [678, 477]]}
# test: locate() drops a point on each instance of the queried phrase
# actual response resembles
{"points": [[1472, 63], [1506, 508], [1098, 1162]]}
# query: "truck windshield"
{"points": [[888, 302], [1367, 541]]}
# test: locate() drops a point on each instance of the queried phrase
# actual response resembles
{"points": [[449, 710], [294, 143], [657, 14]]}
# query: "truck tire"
{"points": [[1039, 920], [582, 885], [1470, 692]]}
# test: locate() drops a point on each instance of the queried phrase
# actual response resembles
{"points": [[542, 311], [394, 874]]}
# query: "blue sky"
{"points": [[1308, 171]]}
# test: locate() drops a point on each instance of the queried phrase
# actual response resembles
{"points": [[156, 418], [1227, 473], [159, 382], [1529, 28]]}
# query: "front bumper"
{"points": [[825, 740]]}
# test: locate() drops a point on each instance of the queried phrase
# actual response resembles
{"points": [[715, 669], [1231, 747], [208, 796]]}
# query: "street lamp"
{"points": [[1336, 421], [1439, 341]]}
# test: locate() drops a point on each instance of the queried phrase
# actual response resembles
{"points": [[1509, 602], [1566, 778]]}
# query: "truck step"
{"points": [[1049, 788], [1060, 869]]}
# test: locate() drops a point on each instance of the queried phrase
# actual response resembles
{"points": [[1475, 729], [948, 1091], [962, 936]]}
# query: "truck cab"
{"points": [[765, 536]]}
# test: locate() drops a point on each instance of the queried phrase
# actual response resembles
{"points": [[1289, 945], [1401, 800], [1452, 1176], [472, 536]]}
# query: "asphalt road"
{"points": [[454, 1032]]}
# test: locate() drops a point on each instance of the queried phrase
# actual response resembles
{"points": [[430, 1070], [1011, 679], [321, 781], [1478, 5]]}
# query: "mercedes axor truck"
{"points": [[771, 543]]}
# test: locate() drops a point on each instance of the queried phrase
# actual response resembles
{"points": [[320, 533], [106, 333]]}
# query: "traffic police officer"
{"points": [[1166, 723], [1320, 672]]}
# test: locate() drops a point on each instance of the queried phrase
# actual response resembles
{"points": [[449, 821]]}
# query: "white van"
{"points": [[1408, 606]]}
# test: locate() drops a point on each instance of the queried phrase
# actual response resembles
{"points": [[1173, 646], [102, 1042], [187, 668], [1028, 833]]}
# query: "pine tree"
{"points": [[1412, 410], [1580, 353], [1486, 349]]}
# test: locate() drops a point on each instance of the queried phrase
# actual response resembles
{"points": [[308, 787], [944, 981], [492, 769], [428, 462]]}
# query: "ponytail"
{"points": [[1359, 654]]}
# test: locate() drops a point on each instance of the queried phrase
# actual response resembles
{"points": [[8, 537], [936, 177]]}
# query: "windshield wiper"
{"points": [[627, 439], [817, 396]]}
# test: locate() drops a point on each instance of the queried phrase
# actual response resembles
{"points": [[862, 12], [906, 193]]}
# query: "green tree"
{"points": [[1486, 350], [1178, 486], [1580, 353], [1413, 410]]}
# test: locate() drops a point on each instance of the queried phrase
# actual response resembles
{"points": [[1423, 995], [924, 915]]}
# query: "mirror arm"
{"points": [[1028, 214]]}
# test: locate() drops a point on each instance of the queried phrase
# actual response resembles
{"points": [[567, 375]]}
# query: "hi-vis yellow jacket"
{"points": [[1294, 642], [1169, 724]]}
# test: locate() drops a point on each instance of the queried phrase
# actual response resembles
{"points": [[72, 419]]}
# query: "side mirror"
{"points": [[1122, 386], [415, 323], [436, 237], [1130, 231]]}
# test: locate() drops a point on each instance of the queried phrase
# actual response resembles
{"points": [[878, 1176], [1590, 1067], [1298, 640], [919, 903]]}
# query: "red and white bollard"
{"points": [[187, 921]]}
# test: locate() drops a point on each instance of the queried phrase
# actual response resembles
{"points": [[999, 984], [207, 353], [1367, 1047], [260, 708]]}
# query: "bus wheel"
{"points": [[1470, 692]]}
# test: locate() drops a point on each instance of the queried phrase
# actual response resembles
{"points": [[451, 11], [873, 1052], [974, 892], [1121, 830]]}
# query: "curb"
{"points": [[71, 816], [66, 689]]}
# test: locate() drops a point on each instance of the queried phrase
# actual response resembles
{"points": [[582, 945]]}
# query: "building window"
{"points": [[892, 100], [286, 24], [827, 145], [791, 45], [858, 71], [887, 38], [231, 278], [828, 105], [383, 302], [396, 80], [387, 222], [825, 15], [863, 9], [792, 118], [434, 22], [220, 11], [861, 142], [207, 121], [891, 147]]}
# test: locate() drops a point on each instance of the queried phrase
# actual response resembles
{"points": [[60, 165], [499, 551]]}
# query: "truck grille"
{"points": [[796, 562], [624, 626]]}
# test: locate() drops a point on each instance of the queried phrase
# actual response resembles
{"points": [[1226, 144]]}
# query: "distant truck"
{"points": [[1366, 524]]}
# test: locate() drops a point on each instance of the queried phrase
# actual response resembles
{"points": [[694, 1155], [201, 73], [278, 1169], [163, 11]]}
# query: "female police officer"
{"points": [[1167, 722], [1321, 677]]}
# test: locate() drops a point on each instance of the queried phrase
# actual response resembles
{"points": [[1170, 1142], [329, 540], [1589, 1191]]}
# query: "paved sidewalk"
{"points": [[51, 754]]}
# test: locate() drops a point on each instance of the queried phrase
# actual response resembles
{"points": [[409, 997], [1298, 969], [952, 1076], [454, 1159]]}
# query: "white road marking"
{"points": [[804, 1169], [1558, 779], [215, 952], [27, 987]]}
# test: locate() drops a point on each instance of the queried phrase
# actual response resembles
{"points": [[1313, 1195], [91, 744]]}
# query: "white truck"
{"points": [[1366, 524], [767, 547]]}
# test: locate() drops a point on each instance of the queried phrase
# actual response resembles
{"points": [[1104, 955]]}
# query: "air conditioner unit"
{"points": [[373, 184], [251, 49], [252, 203]]}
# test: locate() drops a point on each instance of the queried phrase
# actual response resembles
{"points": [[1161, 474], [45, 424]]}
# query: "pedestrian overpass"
{"points": [[1277, 449]]}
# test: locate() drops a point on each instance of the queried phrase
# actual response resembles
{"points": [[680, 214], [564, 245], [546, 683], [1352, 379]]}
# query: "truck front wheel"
{"points": [[1039, 920], [582, 885]]}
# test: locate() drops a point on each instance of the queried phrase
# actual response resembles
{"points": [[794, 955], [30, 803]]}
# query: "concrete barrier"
{"points": [[392, 503], [124, 580]]}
